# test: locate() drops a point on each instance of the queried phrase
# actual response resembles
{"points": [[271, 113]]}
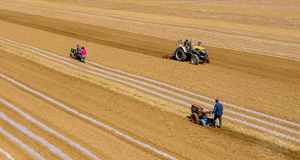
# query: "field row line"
{"points": [[143, 20], [176, 100], [250, 43], [49, 129], [38, 138], [89, 118], [26, 147], [247, 44], [231, 42], [150, 80], [182, 90], [7, 155]]}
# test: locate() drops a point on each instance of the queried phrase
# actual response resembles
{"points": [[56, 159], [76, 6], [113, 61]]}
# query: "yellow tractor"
{"points": [[192, 51]]}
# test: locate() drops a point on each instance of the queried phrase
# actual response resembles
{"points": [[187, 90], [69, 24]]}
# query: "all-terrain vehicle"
{"points": [[193, 51], [200, 115], [74, 54]]}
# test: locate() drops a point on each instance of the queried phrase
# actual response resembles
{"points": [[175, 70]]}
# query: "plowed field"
{"points": [[126, 101]]}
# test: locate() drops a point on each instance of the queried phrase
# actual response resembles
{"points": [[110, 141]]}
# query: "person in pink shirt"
{"points": [[83, 53]]}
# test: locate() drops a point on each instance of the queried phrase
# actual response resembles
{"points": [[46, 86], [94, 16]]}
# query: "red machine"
{"points": [[199, 114], [169, 57]]}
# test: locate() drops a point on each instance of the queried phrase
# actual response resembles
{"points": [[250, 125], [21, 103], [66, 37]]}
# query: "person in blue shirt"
{"points": [[218, 112]]}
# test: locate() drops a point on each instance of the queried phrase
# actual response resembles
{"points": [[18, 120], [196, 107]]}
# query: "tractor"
{"points": [[74, 54], [201, 115], [193, 51]]}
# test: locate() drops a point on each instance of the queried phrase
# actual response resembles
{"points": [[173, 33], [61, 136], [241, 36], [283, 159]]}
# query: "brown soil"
{"points": [[264, 84]]}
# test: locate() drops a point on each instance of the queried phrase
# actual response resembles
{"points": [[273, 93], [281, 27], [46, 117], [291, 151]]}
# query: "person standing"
{"points": [[78, 52], [83, 52], [218, 112]]}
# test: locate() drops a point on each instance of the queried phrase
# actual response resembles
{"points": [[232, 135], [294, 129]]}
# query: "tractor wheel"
{"points": [[180, 55], [72, 55], [207, 59], [195, 59], [195, 118]]}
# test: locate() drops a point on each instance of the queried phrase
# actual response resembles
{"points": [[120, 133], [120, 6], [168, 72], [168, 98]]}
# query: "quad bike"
{"points": [[200, 115], [74, 54], [190, 50]]}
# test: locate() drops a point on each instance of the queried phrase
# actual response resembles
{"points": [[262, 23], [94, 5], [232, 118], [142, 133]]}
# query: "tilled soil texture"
{"points": [[144, 110]]}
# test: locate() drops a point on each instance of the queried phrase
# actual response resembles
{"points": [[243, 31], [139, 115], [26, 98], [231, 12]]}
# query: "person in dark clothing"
{"points": [[218, 112], [78, 48], [199, 43], [78, 51], [187, 44]]}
